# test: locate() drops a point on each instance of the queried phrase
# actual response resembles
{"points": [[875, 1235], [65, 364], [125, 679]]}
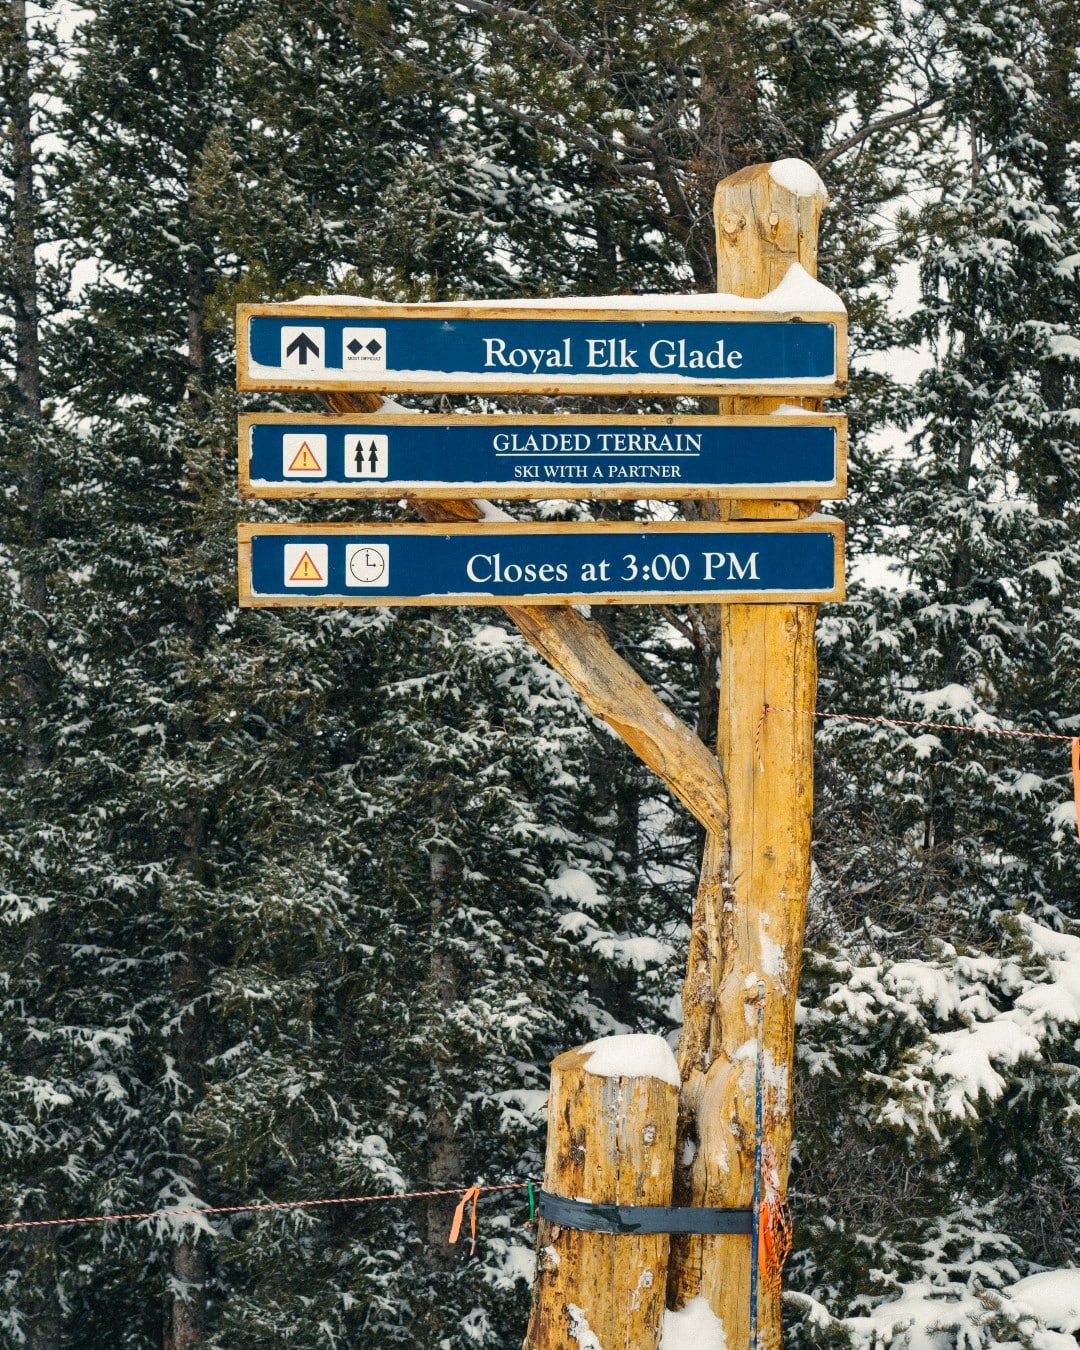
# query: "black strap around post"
{"points": [[592, 1218]]}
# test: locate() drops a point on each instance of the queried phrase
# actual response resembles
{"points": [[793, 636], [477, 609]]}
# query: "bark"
{"points": [[186, 1314], [186, 1303], [24, 291]]}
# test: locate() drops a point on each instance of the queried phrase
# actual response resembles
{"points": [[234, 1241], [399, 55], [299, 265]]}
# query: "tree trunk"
{"points": [[186, 1314], [444, 1147], [186, 1320]]}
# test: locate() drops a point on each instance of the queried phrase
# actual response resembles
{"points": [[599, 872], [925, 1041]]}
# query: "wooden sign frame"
{"points": [[249, 598], [591, 489], [545, 311]]}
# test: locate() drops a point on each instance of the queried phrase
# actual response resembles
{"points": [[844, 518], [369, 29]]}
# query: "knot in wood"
{"points": [[732, 224]]}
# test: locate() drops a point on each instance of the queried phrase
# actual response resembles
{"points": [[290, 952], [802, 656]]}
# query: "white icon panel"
{"points": [[366, 456], [367, 565], [363, 350], [303, 349], [303, 455], [307, 564]]}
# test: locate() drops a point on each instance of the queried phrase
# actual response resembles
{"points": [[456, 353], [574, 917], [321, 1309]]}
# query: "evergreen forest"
{"points": [[300, 904]]}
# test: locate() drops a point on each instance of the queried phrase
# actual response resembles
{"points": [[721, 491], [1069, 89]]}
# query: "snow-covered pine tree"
{"points": [[220, 768], [54, 1049], [941, 1006]]}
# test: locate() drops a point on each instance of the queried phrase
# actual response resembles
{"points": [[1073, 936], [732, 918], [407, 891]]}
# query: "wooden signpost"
{"points": [[765, 563]]}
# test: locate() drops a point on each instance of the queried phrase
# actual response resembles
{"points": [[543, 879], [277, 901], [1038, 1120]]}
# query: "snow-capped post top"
{"points": [[632, 1056], [767, 218], [798, 178]]}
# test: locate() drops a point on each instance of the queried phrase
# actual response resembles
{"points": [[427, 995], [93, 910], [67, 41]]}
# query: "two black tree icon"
{"points": [[373, 457]]}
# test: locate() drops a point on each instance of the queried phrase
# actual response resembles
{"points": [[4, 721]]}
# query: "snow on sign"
{"points": [[292, 455], [792, 340], [492, 563]]}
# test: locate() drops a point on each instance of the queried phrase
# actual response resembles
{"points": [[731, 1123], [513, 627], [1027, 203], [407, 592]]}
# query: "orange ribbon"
{"points": [[473, 1194], [1076, 779], [774, 1242]]}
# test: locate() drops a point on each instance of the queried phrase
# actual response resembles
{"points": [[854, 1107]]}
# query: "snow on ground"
{"points": [[1052, 1296]]}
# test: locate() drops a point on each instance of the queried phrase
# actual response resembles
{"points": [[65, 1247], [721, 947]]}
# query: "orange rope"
{"points": [[473, 1191], [757, 738], [935, 726]]}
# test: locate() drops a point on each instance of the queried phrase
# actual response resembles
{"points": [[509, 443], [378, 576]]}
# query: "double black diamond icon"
{"points": [[356, 346]]}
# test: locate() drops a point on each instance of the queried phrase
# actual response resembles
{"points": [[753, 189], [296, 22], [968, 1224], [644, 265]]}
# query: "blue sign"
{"points": [[485, 564], [294, 456], [427, 348]]}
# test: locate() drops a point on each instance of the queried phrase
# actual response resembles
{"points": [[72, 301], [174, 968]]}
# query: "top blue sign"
{"points": [[538, 349]]}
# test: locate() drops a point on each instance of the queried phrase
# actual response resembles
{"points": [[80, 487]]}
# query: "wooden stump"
{"points": [[611, 1140]]}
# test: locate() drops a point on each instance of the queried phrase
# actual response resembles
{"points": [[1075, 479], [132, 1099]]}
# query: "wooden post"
{"points": [[749, 914], [750, 911], [611, 1139]]}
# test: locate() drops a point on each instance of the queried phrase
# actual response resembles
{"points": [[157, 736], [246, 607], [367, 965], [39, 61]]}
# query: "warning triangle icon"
{"points": [[305, 570], [304, 461]]}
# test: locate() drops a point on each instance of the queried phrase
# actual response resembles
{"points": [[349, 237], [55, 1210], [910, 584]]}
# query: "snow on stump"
{"points": [[611, 1140]]}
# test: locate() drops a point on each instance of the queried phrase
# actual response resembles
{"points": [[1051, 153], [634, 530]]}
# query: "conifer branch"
{"points": [[533, 21], [918, 112]]}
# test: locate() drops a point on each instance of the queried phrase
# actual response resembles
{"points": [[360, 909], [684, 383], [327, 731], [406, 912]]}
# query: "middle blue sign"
{"points": [[388, 456]]}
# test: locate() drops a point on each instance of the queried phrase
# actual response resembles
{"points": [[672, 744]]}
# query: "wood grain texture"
{"points": [[552, 387], [482, 527], [610, 1140], [749, 913], [613, 691], [553, 311]]}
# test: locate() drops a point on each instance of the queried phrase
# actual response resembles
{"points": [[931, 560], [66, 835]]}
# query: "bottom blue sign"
{"points": [[491, 564]]}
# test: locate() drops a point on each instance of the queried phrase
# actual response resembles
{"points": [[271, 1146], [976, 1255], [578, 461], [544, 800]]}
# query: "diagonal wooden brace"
{"points": [[609, 687]]}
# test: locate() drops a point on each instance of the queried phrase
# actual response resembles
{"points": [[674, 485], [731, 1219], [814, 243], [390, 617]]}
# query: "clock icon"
{"points": [[367, 564]]}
